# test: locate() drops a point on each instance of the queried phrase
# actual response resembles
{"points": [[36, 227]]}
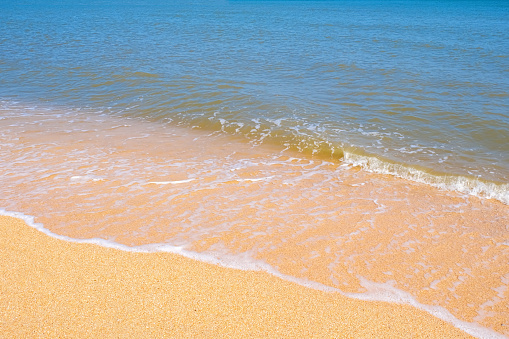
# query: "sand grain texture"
{"points": [[53, 288]]}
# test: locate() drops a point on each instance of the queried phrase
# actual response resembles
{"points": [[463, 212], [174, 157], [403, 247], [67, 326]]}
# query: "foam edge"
{"points": [[375, 291]]}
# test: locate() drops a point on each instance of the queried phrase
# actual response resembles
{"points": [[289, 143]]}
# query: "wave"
{"points": [[309, 137], [312, 140], [468, 185]]}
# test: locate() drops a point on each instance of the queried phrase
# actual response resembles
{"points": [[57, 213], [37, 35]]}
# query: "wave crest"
{"points": [[463, 184]]}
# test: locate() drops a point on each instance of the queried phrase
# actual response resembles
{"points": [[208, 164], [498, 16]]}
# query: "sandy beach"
{"points": [[53, 288]]}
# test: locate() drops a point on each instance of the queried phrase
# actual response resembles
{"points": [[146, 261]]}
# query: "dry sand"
{"points": [[52, 288]]}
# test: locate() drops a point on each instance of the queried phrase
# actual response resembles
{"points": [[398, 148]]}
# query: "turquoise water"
{"points": [[421, 87]]}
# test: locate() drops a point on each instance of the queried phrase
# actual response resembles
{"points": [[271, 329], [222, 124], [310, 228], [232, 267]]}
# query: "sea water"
{"points": [[343, 143]]}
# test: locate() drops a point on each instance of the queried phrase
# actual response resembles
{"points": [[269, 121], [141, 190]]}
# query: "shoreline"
{"points": [[144, 186], [58, 288]]}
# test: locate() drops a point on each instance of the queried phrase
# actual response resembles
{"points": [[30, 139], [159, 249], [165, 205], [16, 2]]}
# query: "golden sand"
{"points": [[53, 288]]}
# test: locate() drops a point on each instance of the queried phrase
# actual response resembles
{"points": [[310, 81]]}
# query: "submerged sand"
{"points": [[53, 288]]}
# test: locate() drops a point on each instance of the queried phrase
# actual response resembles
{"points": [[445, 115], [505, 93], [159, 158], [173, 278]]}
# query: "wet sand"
{"points": [[53, 288]]}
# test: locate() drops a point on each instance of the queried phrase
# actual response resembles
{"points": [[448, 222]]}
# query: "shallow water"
{"points": [[136, 183]]}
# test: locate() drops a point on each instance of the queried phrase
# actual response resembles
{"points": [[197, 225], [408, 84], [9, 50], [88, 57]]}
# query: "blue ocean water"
{"points": [[413, 88]]}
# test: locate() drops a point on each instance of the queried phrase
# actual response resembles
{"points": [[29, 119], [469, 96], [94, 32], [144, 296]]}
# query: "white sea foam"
{"points": [[171, 182], [375, 291], [462, 184], [256, 179]]}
